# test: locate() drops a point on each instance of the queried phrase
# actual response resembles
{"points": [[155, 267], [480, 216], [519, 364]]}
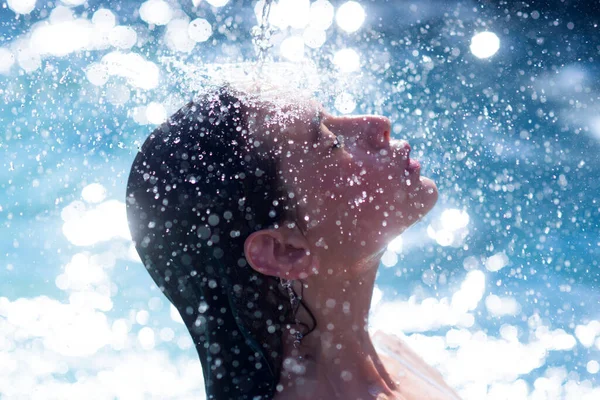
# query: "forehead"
{"points": [[285, 114]]}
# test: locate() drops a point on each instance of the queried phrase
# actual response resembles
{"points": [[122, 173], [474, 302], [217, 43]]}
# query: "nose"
{"points": [[373, 130]]}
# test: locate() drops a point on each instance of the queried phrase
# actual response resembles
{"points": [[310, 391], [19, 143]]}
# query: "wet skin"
{"points": [[352, 202]]}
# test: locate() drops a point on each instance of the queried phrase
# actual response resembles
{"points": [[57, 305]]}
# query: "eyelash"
{"points": [[336, 144]]}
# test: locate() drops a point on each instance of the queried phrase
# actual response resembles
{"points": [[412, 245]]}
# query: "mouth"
{"points": [[413, 166], [401, 149]]}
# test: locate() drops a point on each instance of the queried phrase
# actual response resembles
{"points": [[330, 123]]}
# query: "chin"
{"points": [[428, 195]]}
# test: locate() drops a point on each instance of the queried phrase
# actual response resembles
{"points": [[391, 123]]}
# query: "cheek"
{"points": [[380, 198], [347, 183], [349, 192]]}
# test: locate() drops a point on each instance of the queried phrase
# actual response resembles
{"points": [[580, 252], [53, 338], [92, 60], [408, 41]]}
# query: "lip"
{"points": [[401, 148], [413, 166]]}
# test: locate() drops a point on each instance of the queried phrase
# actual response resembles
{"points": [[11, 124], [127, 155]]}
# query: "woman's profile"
{"points": [[263, 221]]}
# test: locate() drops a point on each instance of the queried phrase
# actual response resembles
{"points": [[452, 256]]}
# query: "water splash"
{"points": [[261, 36], [263, 79]]}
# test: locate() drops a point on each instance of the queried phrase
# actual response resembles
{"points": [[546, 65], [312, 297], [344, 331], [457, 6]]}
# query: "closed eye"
{"points": [[318, 128], [336, 143]]}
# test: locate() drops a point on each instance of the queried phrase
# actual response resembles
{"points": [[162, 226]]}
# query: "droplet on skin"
{"points": [[346, 376]]}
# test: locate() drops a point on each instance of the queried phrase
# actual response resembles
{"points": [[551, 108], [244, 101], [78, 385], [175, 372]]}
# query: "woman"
{"points": [[263, 221]]}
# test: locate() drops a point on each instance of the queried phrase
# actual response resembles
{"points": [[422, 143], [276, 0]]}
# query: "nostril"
{"points": [[382, 127], [373, 131]]}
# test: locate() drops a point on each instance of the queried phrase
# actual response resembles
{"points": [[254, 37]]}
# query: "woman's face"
{"points": [[353, 200]]}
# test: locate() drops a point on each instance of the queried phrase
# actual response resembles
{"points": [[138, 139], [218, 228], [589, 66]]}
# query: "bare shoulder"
{"points": [[416, 378]]}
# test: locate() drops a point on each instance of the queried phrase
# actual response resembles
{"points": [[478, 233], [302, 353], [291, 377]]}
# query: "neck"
{"points": [[337, 359]]}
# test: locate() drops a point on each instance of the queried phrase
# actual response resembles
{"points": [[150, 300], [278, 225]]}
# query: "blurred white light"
{"points": [[97, 74], [94, 193], [587, 333], [177, 36], [217, 3], [345, 103], [314, 38], [132, 66], [555, 340], [142, 317], [347, 60], [155, 303], [485, 44], [453, 219], [106, 218], [7, 59], [444, 237], [122, 37], [350, 16], [60, 14], [499, 306], [156, 12], [395, 245], [456, 337], [120, 327], [200, 30], [292, 48], [104, 19], [571, 77], [496, 262], [594, 125], [21, 6], [174, 313], [29, 59], [471, 291], [376, 297], [184, 342], [156, 113], [429, 277], [509, 333], [146, 338], [166, 334], [61, 38], [470, 263], [389, 259], [286, 13], [139, 115], [593, 367], [274, 15], [81, 272], [321, 14], [119, 334], [118, 94], [73, 2], [451, 229], [297, 12]]}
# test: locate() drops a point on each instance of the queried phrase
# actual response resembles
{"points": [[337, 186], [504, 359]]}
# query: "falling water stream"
{"points": [[261, 35]]}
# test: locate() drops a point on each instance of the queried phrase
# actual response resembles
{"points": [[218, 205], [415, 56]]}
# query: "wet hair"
{"points": [[195, 192]]}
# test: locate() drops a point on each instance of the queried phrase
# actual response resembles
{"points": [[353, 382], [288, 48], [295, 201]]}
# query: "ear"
{"points": [[280, 253]]}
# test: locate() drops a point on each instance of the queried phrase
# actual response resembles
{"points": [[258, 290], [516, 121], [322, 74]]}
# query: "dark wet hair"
{"points": [[195, 192]]}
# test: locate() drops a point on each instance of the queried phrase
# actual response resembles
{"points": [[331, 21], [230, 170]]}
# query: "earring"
{"points": [[294, 301]]}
